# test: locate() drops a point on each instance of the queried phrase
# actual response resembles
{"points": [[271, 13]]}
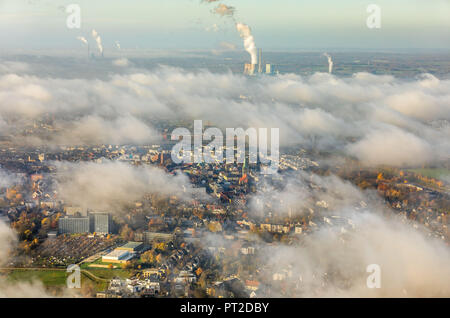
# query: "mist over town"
{"points": [[88, 175]]}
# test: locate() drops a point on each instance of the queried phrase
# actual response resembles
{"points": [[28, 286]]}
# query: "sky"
{"points": [[190, 24]]}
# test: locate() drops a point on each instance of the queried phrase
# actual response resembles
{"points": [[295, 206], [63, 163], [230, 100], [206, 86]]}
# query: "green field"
{"points": [[57, 278], [47, 277]]}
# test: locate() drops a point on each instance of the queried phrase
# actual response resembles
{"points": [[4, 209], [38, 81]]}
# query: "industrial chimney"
{"points": [[260, 62]]}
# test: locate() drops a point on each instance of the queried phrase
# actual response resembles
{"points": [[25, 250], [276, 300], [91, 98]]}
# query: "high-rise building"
{"points": [[73, 225], [94, 222], [100, 222]]}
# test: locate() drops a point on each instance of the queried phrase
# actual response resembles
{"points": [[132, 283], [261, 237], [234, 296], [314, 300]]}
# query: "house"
{"points": [[252, 285], [186, 277]]}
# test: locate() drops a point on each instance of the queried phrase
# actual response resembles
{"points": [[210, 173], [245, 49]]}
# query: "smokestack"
{"points": [[260, 61], [84, 41]]}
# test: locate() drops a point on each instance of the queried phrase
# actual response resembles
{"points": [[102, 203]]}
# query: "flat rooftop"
{"points": [[117, 255], [130, 246]]}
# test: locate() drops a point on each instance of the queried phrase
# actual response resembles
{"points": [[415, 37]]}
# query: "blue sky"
{"points": [[188, 24]]}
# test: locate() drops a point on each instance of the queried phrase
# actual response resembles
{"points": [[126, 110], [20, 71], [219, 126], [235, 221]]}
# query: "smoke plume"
{"points": [[98, 40], [330, 62], [249, 42], [82, 39], [224, 10]]}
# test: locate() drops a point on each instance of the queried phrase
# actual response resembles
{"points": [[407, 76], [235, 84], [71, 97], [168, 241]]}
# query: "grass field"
{"points": [[48, 278], [57, 278]]}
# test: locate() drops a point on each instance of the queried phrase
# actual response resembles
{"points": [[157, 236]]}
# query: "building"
{"points": [[132, 247], [117, 256], [94, 222], [75, 211], [186, 277], [69, 225], [52, 234], [251, 69], [100, 222], [150, 237], [152, 272]]}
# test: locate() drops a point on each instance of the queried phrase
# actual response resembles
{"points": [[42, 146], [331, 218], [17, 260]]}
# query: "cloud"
{"points": [[392, 146], [332, 259], [302, 191], [7, 240], [321, 110], [227, 46], [111, 184], [123, 62], [8, 67], [333, 264], [8, 179], [224, 10]]}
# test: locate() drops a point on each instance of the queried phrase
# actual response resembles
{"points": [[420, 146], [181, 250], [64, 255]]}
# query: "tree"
{"points": [[160, 246], [126, 233], [202, 280], [126, 265], [159, 258], [45, 223], [148, 257], [200, 293]]}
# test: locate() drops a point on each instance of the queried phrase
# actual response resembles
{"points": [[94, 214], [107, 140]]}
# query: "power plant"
{"points": [[253, 69]]}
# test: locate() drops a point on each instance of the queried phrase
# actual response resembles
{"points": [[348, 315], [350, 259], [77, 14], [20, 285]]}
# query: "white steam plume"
{"points": [[249, 42], [98, 40], [330, 62], [224, 10], [83, 39]]}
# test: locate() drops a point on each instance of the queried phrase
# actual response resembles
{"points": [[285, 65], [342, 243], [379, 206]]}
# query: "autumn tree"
{"points": [[148, 257], [126, 233]]}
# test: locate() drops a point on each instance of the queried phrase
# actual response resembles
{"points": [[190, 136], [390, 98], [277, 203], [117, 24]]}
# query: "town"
{"points": [[209, 245]]}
